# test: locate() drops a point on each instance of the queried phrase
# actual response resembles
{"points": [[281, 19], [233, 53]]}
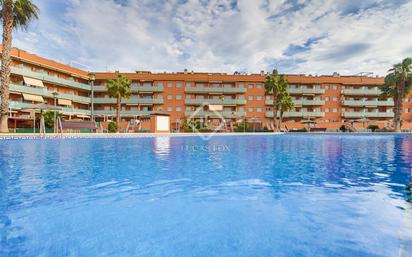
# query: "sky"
{"points": [[296, 36]]}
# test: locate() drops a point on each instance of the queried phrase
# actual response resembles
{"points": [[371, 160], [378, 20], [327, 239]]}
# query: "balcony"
{"points": [[215, 101], [216, 90], [49, 79], [122, 113], [65, 110], [135, 89], [301, 102], [306, 91], [131, 101], [363, 103], [373, 92], [368, 114], [44, 92], [298, 114], [217, 114]]}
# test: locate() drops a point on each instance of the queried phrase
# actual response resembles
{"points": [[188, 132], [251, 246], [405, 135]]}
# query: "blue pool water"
{"points": [[289, 195]]}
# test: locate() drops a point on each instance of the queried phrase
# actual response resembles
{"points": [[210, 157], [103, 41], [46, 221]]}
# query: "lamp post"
{"points": [[222, 97], [92, 79], [55, 94]]}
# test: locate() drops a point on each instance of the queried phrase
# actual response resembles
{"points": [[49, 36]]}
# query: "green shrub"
{"points": [[373, 127], [242, 126], [112, 127]]}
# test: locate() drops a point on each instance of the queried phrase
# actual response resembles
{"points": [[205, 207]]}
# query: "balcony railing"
{"points": [[129, 101], [301, 102], [44, 92], [309, 91], [215, 101], [368, 114], [298, 114], [66, 110], [223, 90], [373, 91], [49, 79], [217, 114], [122, 113], [368, 103], [134, 89]]}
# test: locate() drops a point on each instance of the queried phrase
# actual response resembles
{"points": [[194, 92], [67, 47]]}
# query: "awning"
{"points": [[33, 82], [34, 98], [215, 107], [64, 102]]}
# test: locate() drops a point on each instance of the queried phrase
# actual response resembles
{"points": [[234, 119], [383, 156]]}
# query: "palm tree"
{"points": [[286, 104], [119, 88], [277, 86], [398, 84], [15, 14]]}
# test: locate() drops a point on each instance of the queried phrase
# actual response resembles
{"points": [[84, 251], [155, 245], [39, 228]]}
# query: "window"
{"points": [[250, 86], [169, 97], [240, 85], [160, 84], [188, 84], [259, 109], [169, 84], [326, 87], [169, 109], [327, 98], [327, 110], [259, 97], [188, 97], [179, 97], [407, 110], [250, 109], [334, 87], [178, 109], [268, 97], [179, 84], [241, 109], [250, 97], [259, 86], [335, 109], [335, 98]]}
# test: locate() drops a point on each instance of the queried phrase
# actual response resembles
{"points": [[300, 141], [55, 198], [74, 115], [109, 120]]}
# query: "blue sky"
{"points": [[297, 36]]}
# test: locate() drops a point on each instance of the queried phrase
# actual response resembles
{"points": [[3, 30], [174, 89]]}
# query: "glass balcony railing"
{"points": [[135, 89], [122, 113], [49, 79], [44, 92], [298, 114], [309, 91], [129, 101], [215, 101], [368, 114], [368, 103], [223, 90], [372, 91], [300, 102], [65, 110], [217, 114]]}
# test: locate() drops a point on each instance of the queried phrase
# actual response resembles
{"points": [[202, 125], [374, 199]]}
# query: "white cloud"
{"points": [[224, 35]]}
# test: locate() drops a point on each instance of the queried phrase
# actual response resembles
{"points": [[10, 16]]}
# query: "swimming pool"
{"points": [[287, 195]]}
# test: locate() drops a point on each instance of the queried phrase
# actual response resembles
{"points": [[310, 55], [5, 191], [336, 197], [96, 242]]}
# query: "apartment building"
{"points": [[328, 101]]}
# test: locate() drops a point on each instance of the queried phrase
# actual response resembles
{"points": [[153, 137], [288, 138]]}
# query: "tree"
{"points": [[286, 104], [277, 86], [119, 88], [15, 14], [398, 84]]}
